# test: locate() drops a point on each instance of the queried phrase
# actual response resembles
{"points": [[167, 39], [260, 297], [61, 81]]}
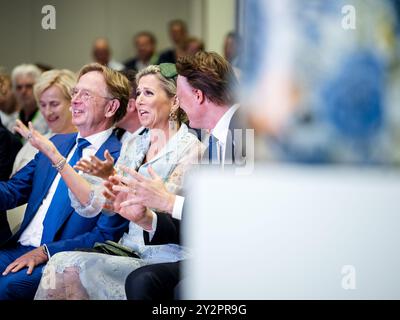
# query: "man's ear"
{"points": [[131, 105], [112, 108], [199, 95]]}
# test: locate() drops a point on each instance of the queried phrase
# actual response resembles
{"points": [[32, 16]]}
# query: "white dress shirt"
{"points": [[220, 132], [32, 235], [9, 120], [117, 66], [130, 135]]}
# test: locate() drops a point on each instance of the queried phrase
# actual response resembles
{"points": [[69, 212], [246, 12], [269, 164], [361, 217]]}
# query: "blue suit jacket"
{"points": [[32, 183]]}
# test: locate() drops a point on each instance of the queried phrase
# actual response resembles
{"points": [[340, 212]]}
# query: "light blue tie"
{"points": [[212, 150], [60, 199]]}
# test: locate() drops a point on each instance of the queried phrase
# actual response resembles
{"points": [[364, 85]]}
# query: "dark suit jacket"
{"points": [[168, 231], [31, 184], [168, 228], [235, 153], [131, 64], [9, 147]]}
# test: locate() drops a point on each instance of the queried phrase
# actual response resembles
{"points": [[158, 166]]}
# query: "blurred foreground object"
{"points": [[319, 90], [302, 232]]}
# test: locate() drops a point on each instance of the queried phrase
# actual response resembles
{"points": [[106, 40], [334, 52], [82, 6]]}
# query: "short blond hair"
{"points": [[64, 79], [117, 86]]}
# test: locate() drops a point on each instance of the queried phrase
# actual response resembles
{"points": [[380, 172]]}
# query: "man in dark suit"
{"points": [[145, 43], [206, 91], [9, 147], [179, 36], [50, 224]]}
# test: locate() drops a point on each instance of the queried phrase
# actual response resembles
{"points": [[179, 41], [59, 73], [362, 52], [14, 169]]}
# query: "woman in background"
{"points": [[53, 94]]}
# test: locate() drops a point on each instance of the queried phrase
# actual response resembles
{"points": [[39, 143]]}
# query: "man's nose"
{"points": [[75, 100], [24, 90]]}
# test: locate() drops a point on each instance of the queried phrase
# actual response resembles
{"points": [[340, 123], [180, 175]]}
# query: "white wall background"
{"points": [[78, 23], [219, 19]]}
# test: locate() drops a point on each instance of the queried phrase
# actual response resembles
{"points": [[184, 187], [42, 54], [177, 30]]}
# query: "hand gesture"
{"points": [[96, 167], [136, 212], [37, 140], [149, 192]]}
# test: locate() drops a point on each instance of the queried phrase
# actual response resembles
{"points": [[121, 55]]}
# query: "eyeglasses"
{"points": [[168, 70], [85, 95]]}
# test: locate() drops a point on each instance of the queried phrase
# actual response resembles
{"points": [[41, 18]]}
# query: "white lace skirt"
{"points": [[103, 276]]}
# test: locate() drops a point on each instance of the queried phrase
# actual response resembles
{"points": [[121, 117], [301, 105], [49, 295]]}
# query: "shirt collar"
{"points": [[96, 140], [221, 129]]}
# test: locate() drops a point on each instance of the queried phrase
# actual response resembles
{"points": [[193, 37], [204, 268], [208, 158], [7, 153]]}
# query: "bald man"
{"points": [[102, 54]]}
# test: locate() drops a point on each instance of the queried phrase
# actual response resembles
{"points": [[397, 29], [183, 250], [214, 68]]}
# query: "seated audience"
{"points": [[50, 224], [165, 145], [205, 90], [52, 92]]}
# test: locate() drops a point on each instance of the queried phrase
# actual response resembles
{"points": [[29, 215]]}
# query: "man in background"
{"points": [[23, 79], [8, 103], [102, 54], [179, 36], [145, 46]]}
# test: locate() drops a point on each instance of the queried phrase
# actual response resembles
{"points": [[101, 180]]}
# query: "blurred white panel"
{"points": [[294, 233]]}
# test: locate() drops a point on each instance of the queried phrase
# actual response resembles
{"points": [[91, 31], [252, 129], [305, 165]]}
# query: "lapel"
{"points": [[42, 185], [49, 172], [165, 152], [114, 146], [236, 140], [135, 150], [171, 146], [230, 140]]}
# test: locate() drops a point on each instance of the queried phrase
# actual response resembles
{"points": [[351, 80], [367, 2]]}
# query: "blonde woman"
{"points": [[52, 92]]}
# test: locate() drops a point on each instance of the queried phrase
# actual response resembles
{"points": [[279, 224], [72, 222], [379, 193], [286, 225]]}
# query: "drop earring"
{"points": [[173, 120]]}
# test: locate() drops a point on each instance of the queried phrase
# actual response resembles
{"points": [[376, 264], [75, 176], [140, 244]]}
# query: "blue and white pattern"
{"points": [[343, 108]]}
